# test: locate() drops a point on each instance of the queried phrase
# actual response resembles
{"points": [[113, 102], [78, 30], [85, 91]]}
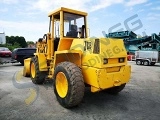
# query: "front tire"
{"points": [[138, 62], [68, 84], [37, 76]]}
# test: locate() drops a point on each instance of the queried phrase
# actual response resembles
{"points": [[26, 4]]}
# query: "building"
{"points": [[2, 38], [31, 46]]}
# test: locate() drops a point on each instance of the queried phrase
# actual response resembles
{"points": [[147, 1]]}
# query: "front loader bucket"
{"points": [[26, 69]]}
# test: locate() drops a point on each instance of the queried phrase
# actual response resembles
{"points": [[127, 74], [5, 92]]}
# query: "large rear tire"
{"points": [[37, 76], [68, 84]]}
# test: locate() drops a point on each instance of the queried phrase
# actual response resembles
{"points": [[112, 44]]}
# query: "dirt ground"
{"points": [[21, 99]]}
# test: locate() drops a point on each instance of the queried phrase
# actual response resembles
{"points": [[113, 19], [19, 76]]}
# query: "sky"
{"points": [[29, 18]]}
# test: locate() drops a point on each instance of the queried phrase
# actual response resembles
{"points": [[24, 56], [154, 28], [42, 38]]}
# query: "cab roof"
{"points": [[67, 10]]}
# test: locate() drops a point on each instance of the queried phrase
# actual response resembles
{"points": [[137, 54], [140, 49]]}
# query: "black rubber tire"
{"points": [[115, 90], [145, 63], [75, 81], [138, 62], [39, 76]]}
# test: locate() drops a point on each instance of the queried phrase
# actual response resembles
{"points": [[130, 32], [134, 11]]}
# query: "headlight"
{"points": [[105, 61], [121, 60]]}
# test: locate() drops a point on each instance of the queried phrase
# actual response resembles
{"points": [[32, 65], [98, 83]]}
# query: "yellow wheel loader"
{"points": [[72, 60]]}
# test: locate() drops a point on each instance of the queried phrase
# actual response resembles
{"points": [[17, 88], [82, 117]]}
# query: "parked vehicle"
{"points": [[146, 57], [130, 57], [19, 54], [5, 52]]}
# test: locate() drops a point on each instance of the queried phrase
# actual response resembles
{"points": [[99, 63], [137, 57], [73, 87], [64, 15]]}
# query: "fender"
{"points": [[73, 56], [26, 68]]}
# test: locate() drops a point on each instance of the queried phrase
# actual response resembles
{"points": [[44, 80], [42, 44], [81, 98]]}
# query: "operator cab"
{"points": [[67, 24], [71, 25]]}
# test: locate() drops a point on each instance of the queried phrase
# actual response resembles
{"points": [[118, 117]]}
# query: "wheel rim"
{"points": [[61, 84], [33, 72], [145, 63], [138, 62]]}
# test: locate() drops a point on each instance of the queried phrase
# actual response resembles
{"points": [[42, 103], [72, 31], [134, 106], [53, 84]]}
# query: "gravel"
{"points": [[21, 99]]}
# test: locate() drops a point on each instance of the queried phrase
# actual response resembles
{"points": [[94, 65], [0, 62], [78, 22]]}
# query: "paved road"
{"points": [[21, 99], [5, 59]]}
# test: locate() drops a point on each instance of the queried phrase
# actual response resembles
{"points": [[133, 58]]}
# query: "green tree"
{"points": [[30, 42], [16, 39], [22, 42], [12, 47], [10, 40]]}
